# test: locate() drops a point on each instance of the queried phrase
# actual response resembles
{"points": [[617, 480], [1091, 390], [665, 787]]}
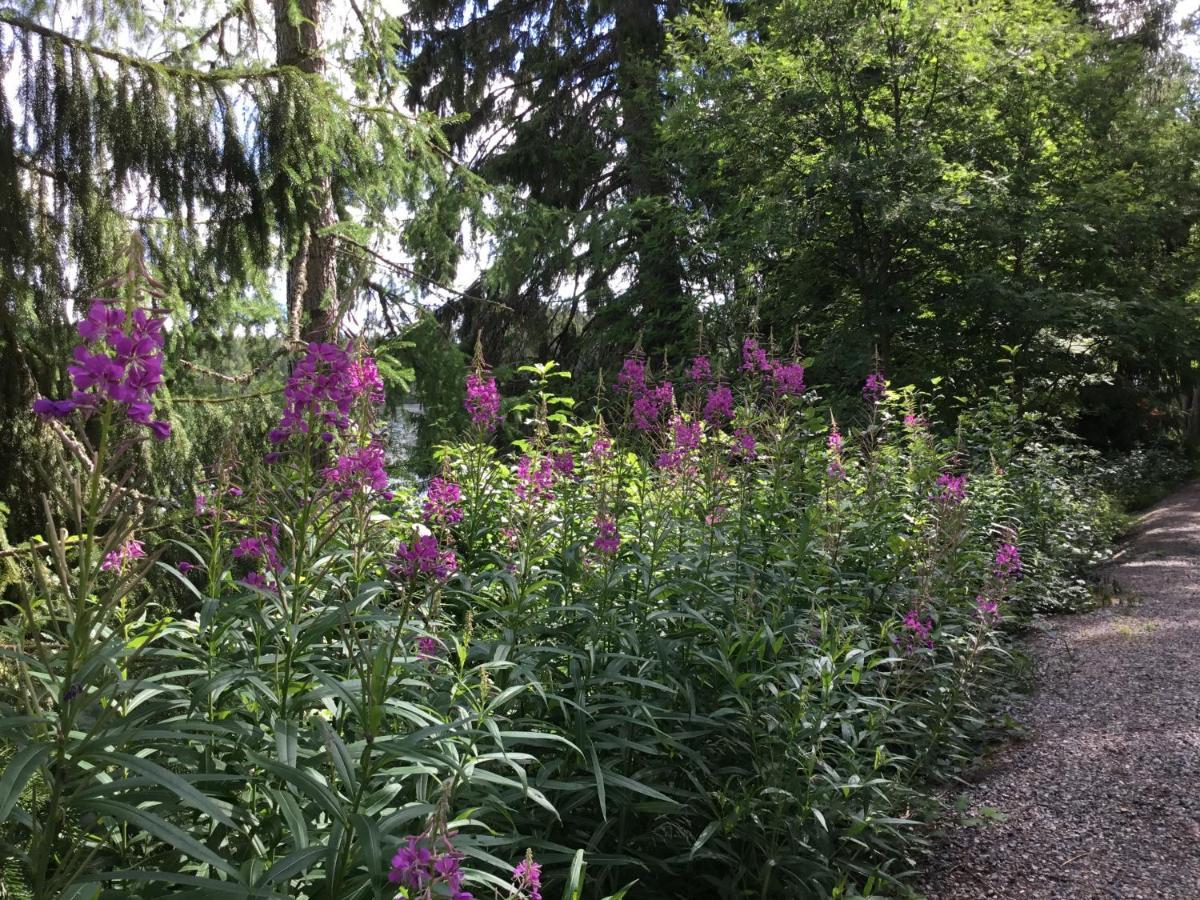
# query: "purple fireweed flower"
{"points": [[423, 557], [700, 370], [915, 421], [718, 406], [120, 362], [364, 379], [685, 438], [669, 459], [427, 648], [836, 469], [564, 464], [256, 579], [483, 401], [361, 469], [248, 548], [419, 867], [442, 503], [754, 357], [952, 489], [1007, 563], [745, 445], [632, 377], [601, 450], [648, 406], [535, 483], [116, 560], [265, 548], [234, 491], [917, 632], [686, 434], [97, 372], [103, 321], [53, 409], [874, 387], [788, 379], [72, 692], [527, 878], [185, 566], [987, 610], [608, 538], [322, 390]]}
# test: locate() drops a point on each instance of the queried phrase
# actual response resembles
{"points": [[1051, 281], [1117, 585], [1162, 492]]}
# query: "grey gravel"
{"points": [[1102, 798]]}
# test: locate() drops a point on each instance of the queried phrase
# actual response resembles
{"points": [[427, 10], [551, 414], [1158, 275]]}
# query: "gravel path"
{"points": [[1102, 799]]}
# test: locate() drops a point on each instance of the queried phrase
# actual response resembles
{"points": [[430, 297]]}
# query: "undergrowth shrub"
{"points": [[715, 645], [1140, 477]]}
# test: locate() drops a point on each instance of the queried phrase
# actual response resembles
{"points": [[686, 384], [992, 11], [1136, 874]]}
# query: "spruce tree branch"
{"points": [[245, 377], [412, 273], [177, 54], [80, 452], [14, 19]]}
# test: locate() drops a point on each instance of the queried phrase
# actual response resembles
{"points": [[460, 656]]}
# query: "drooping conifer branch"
{"points": [[217, 75]]}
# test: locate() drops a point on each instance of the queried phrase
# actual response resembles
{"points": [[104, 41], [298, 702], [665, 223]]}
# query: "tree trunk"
{"points": [[657, 292], [312, 272]]}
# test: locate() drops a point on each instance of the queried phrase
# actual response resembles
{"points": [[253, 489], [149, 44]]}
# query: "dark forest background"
{"points": [[999, 195]]}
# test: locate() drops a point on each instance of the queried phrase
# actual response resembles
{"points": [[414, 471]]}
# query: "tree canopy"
{"points": [[981, 192]]}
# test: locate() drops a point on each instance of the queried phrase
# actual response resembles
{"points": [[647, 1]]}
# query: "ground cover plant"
{"points": [[707, 642]]}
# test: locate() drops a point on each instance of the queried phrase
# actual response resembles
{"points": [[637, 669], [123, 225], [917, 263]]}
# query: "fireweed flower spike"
{"points": [[700, 370], [427, 648], [600, 451], [423, 557], [419, 867], [564, 464], [649, 402], [527, 878], [718, 406], [987, 610], [535, 483], [754, 357], [608, 538], [952, 489], [788, 379], [360, 469], [632, 377], [1007, 563], [117, 560], [685, 438], [836, 470], [917, 632], [322, 390], [745, 446], [443, 501], [649, 405], [874, 387], [119, 361], [254, 550], [483, 401]]}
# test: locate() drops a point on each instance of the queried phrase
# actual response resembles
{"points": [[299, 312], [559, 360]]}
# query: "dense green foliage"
{"points": [[683, 628], [937, 181], [730, 648], [925, 181]]}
